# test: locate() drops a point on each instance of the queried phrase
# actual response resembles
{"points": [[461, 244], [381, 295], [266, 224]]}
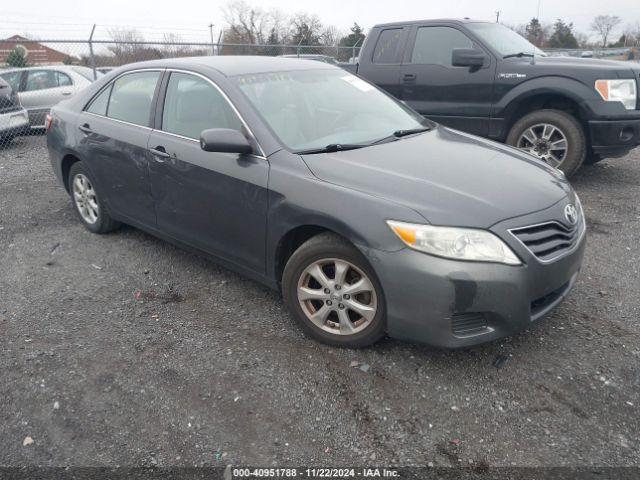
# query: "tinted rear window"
{"points": [[131, 97], [386, 50]]}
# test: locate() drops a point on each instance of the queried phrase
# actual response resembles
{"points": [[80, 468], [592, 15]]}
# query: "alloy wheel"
{"points": [[85, 198], [546, 142], [337, 296]]}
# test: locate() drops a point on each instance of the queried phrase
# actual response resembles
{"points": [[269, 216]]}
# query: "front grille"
{"points": [[548, 241], [465, 324]]}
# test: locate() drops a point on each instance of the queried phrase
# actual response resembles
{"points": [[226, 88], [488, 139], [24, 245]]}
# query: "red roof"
{"points": [[37, 54]]}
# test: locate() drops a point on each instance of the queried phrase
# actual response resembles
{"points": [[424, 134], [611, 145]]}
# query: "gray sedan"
{"points": [[40, 88], [368, 218]]}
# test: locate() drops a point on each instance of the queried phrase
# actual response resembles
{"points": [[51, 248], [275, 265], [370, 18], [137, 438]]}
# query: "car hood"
{"points": [[449, 177], [571, 66]]}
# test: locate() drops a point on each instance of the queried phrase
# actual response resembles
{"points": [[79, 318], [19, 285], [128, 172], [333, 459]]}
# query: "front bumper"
{"points": [[614, 138], [454, 304]]}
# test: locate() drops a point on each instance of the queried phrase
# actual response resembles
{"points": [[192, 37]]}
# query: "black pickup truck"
{"points": [[485, 79]]}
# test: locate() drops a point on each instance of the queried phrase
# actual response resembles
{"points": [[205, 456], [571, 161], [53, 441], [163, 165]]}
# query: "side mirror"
{"points": [[224, 140], [467, 57]]}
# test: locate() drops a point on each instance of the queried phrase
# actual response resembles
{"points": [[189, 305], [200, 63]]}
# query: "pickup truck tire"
{"points": [[544, 133]]}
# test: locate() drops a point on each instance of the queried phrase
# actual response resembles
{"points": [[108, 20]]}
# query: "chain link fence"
{"points": [[37, 74]]}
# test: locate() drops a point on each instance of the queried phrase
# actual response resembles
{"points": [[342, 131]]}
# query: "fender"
{"points": [[556, 85]]}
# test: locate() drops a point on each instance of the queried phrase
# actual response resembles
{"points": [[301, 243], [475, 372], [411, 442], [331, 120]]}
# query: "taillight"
{"points": [[48, 121]]}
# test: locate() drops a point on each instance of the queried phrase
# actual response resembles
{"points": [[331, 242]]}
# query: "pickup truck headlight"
{"points": [[455, 243], [623, 91]]}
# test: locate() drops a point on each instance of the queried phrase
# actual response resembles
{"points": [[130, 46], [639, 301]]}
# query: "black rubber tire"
{"points": [[105, 223], [328, 245], [573, 131]]}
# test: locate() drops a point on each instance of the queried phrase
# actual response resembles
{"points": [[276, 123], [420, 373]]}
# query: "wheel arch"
{"points": [[65, 167], [563, 94], [293, 238]]}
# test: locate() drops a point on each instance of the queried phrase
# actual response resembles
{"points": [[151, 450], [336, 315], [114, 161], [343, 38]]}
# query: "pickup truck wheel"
{"points": [[333, 293], [553, 136]]}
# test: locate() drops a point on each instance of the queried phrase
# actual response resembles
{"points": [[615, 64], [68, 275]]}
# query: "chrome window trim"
{"points": [[228, 100], [178, 70], [118, 121], [108, 85], [581, 230]]}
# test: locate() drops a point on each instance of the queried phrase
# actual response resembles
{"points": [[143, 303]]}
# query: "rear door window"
{"points": [[131, 97], [64, 80], [13, 79], [434, 45], [388, 45], [99, 104], [41, 80]]}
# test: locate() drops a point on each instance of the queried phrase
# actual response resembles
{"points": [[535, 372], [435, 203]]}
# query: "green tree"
{"points": [[17, 58], [536, 33], [355, 37], [562, 36]]}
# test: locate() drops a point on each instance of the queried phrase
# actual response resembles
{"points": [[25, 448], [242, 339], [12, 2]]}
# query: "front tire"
{"points": [[334, 294], [87, 201], [553, 136]]}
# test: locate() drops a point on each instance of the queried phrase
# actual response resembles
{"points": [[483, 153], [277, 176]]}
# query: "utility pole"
{"points": [[498, 16], [213, 49]]}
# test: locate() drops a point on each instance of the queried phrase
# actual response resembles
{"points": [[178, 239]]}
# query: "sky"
{"points": [[73, 18]]}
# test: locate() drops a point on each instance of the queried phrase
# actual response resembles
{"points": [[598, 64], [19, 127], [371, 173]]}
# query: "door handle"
{"points": [[66, 93], [85, 129], [409, 77], [159, 153]]}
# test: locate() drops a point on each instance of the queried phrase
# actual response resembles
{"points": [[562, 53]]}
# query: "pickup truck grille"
{"points": [[551, 240]]}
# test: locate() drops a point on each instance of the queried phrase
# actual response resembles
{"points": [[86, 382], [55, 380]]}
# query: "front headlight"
{"points": [[456, 243], [623, 91]]}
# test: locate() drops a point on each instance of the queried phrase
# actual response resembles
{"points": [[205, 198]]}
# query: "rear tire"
{"points": [[565, 127], [87, 201], [345, 307]]}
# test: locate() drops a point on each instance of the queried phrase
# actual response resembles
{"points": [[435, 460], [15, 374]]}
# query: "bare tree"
{"points": [[604, 25], [129, 47], [248, 24]]}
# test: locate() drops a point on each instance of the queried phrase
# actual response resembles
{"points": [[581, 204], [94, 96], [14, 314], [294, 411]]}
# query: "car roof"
{"points": [[64, 68], [232, 65], [458, 21]]}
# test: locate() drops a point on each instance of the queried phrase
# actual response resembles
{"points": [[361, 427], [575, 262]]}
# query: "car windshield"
{"points": [[504, 40], [310, 109]]}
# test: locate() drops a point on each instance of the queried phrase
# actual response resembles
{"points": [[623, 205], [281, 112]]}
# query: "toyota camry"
{"points": [[370, 219]]}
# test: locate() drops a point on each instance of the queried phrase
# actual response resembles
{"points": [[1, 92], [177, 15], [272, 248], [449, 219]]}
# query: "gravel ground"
{"points": [[123, 350]]}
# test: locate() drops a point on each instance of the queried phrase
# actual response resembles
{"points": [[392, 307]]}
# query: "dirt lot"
{"points": [[123, 350]]}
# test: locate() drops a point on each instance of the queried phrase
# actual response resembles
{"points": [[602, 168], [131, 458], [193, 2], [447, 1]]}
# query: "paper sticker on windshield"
{"points": [[358, 83]]}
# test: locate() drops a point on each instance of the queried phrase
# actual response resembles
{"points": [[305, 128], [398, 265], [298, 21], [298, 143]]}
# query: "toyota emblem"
{"points": [[571, 214]]}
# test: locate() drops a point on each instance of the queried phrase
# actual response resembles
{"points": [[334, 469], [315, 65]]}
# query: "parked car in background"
{"points": [[105, 70], [317, 58], [40, 88], [368, 217], [14, 119], [485, 79]]}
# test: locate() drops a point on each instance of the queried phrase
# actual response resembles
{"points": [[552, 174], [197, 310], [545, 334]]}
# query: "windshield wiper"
{"points": [[519, 55], [411, 131], [332, 147], [401, 133]]}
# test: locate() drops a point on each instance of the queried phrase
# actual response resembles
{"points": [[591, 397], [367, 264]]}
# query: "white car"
{"points": [[40, 88], [13, 118]]}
